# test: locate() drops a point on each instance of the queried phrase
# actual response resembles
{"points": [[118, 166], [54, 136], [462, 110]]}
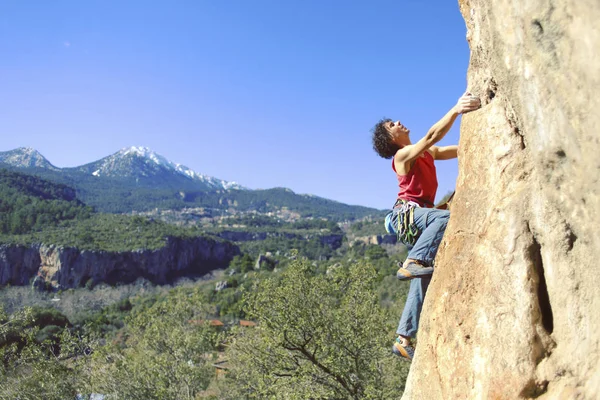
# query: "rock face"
{"points": [[374, 239], [513, 308], [61, 268]]}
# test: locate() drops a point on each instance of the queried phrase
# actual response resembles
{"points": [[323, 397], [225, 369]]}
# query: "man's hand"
{"points": [[467, 103]]}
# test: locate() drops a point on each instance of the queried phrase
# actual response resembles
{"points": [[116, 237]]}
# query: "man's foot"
{"points": [[413, 269], [405, 351]]}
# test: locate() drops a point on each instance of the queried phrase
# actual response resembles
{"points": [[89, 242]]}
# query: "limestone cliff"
{"points": [[64, 267], [513, 308]]}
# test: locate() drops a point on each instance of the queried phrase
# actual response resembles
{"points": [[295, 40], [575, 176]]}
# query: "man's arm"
{"points": [[466, 103], [444, 152]]}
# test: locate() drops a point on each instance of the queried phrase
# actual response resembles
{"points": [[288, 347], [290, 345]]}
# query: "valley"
{"points": [[70, 270]]}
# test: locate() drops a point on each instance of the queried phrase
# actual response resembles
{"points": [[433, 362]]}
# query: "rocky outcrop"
{"points": [[265, 261], [512, 310], [221, 285], [64, 267], [374, 239]]}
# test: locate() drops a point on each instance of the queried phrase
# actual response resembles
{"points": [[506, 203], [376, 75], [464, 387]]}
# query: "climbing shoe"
{"points": [[406, 352], [413, 270]]}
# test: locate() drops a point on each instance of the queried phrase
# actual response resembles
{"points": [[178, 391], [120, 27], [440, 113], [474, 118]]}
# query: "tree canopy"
{"points": [[321, 336]]}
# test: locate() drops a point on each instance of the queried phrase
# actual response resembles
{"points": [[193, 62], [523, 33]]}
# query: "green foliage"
{"points": [[319, 223], [107, 232], [266, 222], [309, 246], [28, 203], [384, 261], [314, 238], [33, 210], [242, 263], [392, 295], [318, 337], [162, 355], [253, 220], [228, 303], [48, 316], [375, 252], [48, 324], [159, 353], [368, 227], [110, 319], [31, 186], [42, 363], [48, 333], [35, 372], [15, 323]]}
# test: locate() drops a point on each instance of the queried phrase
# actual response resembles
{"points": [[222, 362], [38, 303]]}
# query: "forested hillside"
{"points": [[34, 210], [28, 203]]}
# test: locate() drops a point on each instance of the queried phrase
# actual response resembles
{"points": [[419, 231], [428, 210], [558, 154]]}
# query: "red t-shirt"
{"points": [[420, 184]]}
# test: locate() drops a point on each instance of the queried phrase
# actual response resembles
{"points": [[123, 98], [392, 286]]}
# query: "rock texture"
{"points": [[513, 308], [64, 267]]}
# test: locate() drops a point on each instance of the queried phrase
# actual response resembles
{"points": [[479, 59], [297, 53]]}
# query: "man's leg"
{"points": [[409, 322], [432, 224]]}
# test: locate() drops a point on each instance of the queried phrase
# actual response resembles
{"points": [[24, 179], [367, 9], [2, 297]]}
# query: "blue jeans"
{"points": [[432, 225]]}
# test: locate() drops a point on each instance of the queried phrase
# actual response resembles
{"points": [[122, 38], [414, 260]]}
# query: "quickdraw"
{"points": [[407, 231]]}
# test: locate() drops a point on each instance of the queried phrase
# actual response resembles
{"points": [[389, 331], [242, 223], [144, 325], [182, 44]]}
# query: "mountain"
{"points": [[138, 179], [26, 157], [141, 163]]}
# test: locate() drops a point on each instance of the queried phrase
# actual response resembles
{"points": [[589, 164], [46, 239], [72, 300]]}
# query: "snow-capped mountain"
{"points": [[137, 179], [141, 162], [25, 157]]}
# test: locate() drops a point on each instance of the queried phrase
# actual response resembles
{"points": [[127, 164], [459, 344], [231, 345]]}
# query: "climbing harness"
{"points": [[401, 221]]}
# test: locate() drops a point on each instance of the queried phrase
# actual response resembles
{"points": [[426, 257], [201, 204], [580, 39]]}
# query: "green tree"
{"points": [[33, 367], [162, 355], [244, 263], [318, 337], [375, 252]]}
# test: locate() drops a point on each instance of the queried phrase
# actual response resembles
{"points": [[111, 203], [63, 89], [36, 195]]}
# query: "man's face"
{"points": [[396, 129]]}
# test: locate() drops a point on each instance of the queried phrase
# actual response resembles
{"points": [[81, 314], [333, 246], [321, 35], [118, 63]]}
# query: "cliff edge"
{"points": [[513, 308], [59, 267]]}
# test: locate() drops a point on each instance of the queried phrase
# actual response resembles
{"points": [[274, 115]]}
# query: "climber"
{"points": [[413, 217]]}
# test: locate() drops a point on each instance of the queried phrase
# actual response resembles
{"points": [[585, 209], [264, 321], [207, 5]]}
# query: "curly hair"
{"points": [[382, 141]]}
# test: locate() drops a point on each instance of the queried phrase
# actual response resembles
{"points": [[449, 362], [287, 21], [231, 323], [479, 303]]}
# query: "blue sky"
{"points": [[264, 93]]}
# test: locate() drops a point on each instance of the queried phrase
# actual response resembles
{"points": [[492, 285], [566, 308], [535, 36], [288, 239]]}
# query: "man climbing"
{"points": [[413, 218]]}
